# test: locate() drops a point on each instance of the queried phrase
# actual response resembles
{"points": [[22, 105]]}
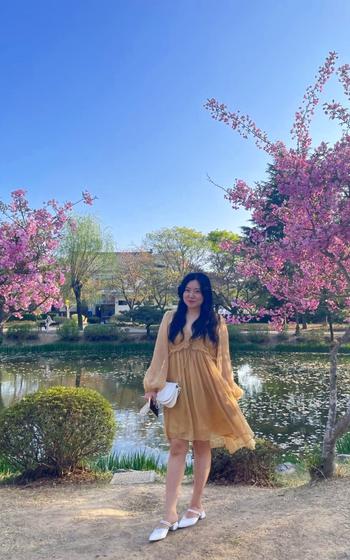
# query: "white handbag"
{"points": [[168, 395]]}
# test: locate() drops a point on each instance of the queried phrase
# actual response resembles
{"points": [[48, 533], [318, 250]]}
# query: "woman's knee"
{"points": [[178, 446]]}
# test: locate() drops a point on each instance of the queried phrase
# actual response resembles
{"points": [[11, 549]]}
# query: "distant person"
{"points": [[192, 349]]}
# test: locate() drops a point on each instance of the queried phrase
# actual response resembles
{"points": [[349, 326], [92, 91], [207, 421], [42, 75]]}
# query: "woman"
{"points": [[192, 348]]}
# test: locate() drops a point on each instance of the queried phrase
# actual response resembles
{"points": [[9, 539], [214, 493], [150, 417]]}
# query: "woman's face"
{"points": [[193, 296]]}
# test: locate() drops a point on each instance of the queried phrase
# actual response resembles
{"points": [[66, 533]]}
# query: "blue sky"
{"points": [[108, 96]]}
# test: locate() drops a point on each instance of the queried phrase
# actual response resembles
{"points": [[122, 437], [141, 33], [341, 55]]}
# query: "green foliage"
{"points": [[54, 430], [246, 466], [235, 335], [21, 331], [145, 315], [282, 337], [69, 330], [101, 332], [181, 249], [218, 236], [258, 337], [343, 444], [7, 472], [94, 320], [81, 348], [312, 460], [26, 317], [139, 461]]}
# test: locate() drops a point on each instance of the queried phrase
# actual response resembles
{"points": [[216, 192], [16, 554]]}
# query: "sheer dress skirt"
{"points": [[207, 407]]}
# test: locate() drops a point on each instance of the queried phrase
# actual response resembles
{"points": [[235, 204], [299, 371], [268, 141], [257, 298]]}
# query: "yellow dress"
{"points": [[207, 407]]}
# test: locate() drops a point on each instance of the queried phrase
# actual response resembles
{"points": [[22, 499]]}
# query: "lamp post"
{"points": [[67, 307]]}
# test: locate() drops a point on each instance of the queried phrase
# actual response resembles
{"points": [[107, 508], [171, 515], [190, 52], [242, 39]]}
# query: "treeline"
{"points": [[148, 275]]}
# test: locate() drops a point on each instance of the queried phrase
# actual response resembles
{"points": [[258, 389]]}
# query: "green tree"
{"points": [[231, 290], [222, 264], [179, 249], [147, 315], [128, 276], [85, 251]]}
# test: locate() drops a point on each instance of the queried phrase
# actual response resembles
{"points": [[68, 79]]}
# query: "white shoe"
{"points": [[189, 521], [160, 533]]}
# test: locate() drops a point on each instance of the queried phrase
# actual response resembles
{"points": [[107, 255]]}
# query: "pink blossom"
{"points": [[311, 255], [87, 198], [30, 274]]}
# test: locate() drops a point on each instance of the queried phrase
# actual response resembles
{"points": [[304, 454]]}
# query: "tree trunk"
{"points": [[304, 322], [328, 448], [77, 286], [78, 378], [3, 319], [297, 324], [330, 325], [334, 429]]}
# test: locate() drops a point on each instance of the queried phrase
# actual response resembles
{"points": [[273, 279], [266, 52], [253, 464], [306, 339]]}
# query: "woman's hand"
{"points": [[151, 395]]}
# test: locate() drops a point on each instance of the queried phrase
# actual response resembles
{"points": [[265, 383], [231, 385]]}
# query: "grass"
{"points": [[7, 472], [139, 461], [343, 444], [102, 348], [257, 339], [91, 348]]}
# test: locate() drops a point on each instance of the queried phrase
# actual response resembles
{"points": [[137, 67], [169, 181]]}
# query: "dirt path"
{"points": [[113, 522]]}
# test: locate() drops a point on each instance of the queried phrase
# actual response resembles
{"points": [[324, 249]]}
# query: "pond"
{"points": [[285, 394]]}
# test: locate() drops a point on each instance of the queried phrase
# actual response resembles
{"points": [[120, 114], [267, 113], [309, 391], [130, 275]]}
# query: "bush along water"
{"points": [[69, 331], [55, 430], [22, 331], [101, 332]]}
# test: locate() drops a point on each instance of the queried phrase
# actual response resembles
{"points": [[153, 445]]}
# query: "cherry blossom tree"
{"points": [[311, 255], [30, 277]]}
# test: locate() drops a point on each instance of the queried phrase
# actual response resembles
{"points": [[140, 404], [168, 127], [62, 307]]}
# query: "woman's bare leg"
{"points": [[202, 463], [175, 473]]}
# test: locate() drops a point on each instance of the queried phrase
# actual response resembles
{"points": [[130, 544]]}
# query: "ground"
{"points": [[85, 522]]}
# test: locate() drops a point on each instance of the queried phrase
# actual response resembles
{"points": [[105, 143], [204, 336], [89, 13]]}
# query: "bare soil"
{"points": [[85, 522]]}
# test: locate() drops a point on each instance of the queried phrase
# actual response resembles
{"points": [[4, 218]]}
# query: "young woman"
{"points": [[192, 348]]}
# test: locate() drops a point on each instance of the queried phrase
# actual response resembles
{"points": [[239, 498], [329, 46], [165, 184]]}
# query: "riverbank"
{"points": [[123, 348], [257, 338], [111, 522]]}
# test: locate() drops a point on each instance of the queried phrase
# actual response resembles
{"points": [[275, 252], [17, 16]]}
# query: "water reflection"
{"points": [[285, 395], [248, 380]]}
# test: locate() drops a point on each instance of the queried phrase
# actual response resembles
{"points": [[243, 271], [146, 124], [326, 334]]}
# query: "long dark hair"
{"points": [[207, 322]]}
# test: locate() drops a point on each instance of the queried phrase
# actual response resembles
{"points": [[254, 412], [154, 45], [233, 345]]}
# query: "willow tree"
{"points": [[85, 251]]}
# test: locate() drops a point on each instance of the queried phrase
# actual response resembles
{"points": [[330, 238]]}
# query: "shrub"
{"points": [[69, 330], [235, 335], [312, 460], [54, 430], [343, 444], [94, 320], [21, 331], [101, 332], [282, 337], [246, 465], [26, 317], [258, 337]]}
